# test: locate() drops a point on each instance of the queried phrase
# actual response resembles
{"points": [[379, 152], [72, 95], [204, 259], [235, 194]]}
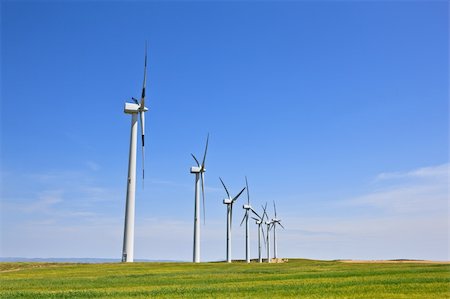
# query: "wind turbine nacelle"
{"points": [[247, 207], [195, 169], [131, 108], [227, 201]]}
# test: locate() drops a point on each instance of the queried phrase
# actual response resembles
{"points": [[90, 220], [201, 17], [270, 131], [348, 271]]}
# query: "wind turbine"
{"points": [[247, 207], [199, 171], [259, 222], [229, 202], [268, 227], [134, 109], [275, 221]]}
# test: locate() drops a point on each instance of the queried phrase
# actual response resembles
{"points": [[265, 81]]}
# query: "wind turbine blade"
{"points": [[254, 218], [196, 161], [202, 178], [254, 212], [265, 212], [204, 156], [141, 113], [245, 216], [142, 116], [226, 190], [281, 225], [248, 193], [236, 197], [275, 209], [145, 79]]}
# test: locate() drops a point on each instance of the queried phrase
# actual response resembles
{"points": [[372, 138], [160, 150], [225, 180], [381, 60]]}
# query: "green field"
{"points": [[296, 278]]}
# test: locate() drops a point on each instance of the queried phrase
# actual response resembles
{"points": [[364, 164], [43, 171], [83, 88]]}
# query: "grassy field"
{"points": [[296, 278]]}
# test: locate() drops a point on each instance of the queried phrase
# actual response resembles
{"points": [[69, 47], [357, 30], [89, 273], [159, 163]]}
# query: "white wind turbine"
{"points": [[134, 109], [259, 222], [275, 221], [268, 227], [199, 171], [229, 202], [247, 207]]}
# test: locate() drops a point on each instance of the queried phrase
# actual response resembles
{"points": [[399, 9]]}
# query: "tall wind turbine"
{"points": [[275, 221], [229, 202], [199, 171], [134, 109], [259, 222], [247, 207]]}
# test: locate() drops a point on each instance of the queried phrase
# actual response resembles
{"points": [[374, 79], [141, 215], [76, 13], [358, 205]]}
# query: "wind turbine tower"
{"points": [[199, 171], [229, 202], [268, 224], [134, 109]]}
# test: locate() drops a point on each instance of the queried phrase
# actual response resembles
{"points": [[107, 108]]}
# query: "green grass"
{"points": [[297, 278]]}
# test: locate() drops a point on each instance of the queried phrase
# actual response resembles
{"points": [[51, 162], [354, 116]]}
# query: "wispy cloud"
{"points": [[51, 176], [433, 172], [45, 201], [416, 191], [406, 216], [406, 199], [59, 197]]}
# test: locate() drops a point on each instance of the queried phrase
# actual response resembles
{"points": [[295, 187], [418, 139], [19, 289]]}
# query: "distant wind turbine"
{"points": [[275, 221], [259, 222], [247, 207], [268, 227], [229, 202], [134, 109], [199, 171]]}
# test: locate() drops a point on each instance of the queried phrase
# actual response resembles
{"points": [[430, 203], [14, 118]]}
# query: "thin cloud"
{"points": [[408, 199], [439, 171], [405, 217], [46, 200], [416, 191]]}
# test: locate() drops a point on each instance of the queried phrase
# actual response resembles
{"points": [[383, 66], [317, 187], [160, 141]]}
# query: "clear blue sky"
{"points": [[337, 110]]}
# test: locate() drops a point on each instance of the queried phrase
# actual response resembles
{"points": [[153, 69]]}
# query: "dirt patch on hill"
{"points": [[278, 260]]}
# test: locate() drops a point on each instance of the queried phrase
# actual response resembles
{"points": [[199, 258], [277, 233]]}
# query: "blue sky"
{"points": [[337, 110]]}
